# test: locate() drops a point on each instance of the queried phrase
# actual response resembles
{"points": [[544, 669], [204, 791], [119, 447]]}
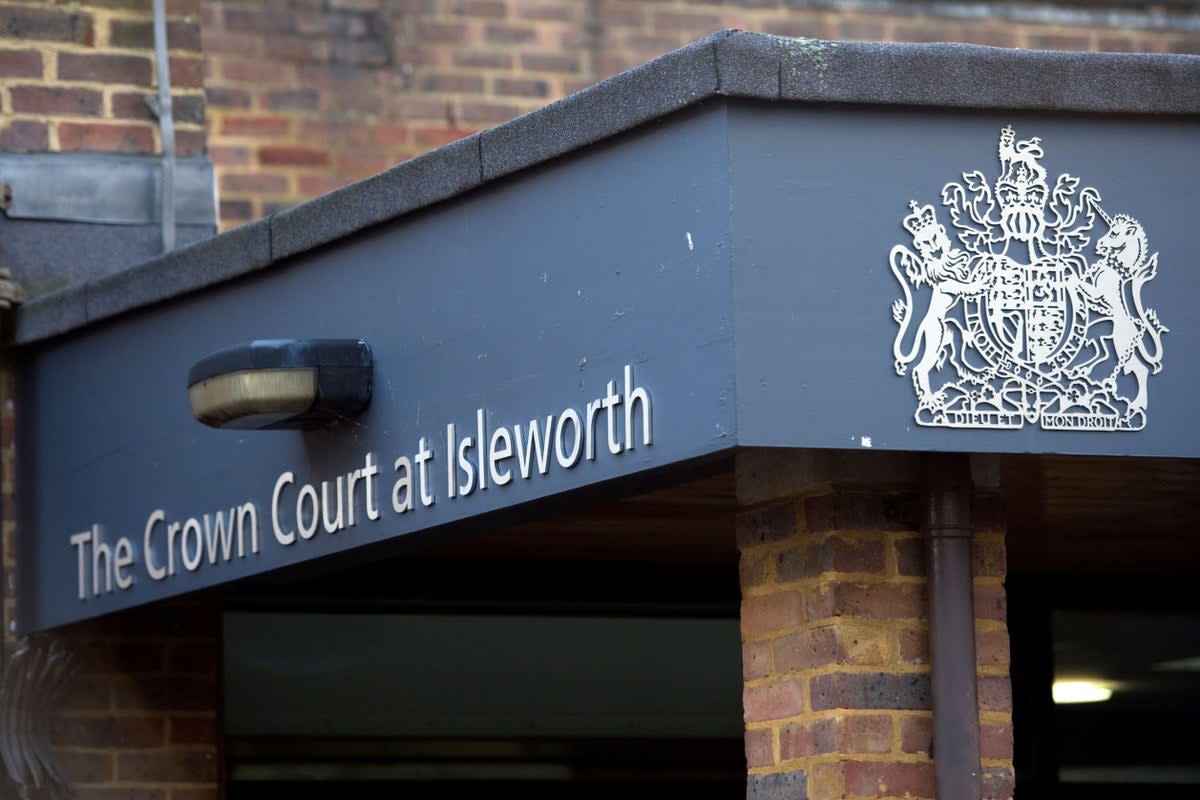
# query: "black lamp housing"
{"points": [[272, 384]]}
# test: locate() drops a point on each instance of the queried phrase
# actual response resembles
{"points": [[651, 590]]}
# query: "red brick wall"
{"points": [[307, 96], [73, 76], [141, 721]]}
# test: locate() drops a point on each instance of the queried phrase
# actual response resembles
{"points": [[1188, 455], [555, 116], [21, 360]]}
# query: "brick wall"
{"points": [[308, 95], [141, 720], [73, 77], [835, 654]]}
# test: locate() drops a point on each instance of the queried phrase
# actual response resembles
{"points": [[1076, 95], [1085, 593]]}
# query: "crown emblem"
{"points": [[920, 218], [1038, 317]]}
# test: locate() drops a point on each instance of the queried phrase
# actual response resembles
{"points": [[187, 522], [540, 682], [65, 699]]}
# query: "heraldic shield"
{"points": [[1027, 322]]}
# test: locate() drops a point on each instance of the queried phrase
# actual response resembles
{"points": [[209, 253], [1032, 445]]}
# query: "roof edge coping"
{"points": [[730, 63]]}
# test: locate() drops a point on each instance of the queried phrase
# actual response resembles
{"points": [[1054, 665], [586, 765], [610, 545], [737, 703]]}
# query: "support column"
{"points": [[836, 660]]}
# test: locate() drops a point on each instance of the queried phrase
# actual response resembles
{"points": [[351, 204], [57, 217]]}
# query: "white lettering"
{"points": [[450, 476], [101, 562], [352, 480], [331, 525], [191, 561], [403, 484], [123, 560], [610, 400], [589, 448], [481, 438], [248, 510], [173, 530], [155, 572], [310, 530], [281, 537], [534, 447], [499, 449], [78, 540], [108, 563], [467, 468], [370, 472], [568, 459], [572, 435], [633, 395], [422, 458], [219, 536]]}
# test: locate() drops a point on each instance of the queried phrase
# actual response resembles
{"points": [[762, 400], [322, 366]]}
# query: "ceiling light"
{"points": [[1080, 692], [1191, 664]]}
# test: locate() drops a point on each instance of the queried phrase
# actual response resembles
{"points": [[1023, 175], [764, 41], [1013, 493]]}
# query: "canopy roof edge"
{"points": [[727, 64]]}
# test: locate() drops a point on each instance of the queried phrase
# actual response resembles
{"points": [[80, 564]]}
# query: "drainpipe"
{"points": [[166, 126], [946, 528]]}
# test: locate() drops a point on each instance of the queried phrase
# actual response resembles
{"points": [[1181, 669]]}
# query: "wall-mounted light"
{"points": [[281, 383]]}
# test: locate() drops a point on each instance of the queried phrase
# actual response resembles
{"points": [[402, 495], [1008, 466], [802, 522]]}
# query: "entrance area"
{"points": [[591, 654], [1104, 623], [561, 705]]}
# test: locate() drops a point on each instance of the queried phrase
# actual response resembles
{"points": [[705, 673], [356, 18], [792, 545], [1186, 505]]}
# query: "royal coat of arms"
{"points": [[1023, 324]]}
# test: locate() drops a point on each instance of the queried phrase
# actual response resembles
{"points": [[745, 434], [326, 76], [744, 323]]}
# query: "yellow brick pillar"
{"points": [[834, 629]]}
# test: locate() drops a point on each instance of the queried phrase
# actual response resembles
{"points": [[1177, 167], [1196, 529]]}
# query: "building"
{"points": [[645, 275]]}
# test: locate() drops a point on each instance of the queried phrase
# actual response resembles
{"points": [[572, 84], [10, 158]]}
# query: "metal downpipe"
{"points": [[946, 528], [166, 124]]}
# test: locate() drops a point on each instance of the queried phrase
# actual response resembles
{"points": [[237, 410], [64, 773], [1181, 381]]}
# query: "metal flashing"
{"points": [[105, 188]]}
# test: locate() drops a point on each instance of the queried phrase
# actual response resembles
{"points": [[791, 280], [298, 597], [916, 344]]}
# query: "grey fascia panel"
{"points": [[730, 63]]}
